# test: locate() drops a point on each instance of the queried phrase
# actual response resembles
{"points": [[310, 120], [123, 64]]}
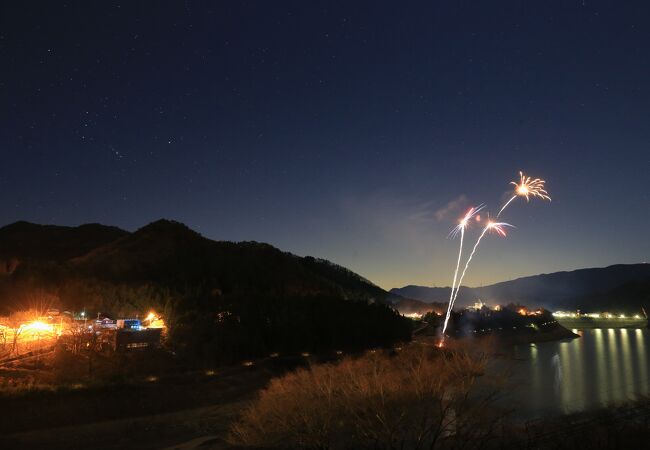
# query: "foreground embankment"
{"points": [[397, 398]]}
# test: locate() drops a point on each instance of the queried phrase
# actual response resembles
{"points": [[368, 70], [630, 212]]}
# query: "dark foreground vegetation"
{"points": [[410, 397], [415, 398], [419, 398]]}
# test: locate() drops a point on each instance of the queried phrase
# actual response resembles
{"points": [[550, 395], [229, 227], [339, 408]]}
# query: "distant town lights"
{"points": [[604, 315]]}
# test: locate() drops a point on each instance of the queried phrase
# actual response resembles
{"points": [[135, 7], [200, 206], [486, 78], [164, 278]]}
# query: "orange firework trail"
{"points": [[527, 187], [460, 228], [497, 227]]}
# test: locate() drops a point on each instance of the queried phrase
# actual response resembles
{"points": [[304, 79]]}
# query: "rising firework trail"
{"points": [[527, 187], [497, 227], [460, 229]]}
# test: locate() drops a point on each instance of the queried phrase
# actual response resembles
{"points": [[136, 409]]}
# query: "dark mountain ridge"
{"points": [[167, 251], [170, 254]]}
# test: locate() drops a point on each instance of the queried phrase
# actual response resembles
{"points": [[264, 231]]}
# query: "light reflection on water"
{"points": [[601, 368]]}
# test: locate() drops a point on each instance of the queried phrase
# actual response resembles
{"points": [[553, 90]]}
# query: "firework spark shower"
{"points": [[526, 187]]}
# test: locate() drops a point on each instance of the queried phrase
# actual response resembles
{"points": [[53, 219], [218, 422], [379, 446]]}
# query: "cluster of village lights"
{"points": [[39, 327], [605, 315]]}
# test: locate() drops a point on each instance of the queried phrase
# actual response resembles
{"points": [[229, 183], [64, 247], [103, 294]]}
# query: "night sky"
{"points": [[353, 131]]}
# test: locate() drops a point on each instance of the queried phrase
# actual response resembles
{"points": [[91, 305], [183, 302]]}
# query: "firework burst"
{"points": [[464, 222], [498, 227], [527, 187]]}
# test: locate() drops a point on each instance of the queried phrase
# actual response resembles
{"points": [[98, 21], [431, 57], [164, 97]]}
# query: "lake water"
{"points": [[603, 367]]}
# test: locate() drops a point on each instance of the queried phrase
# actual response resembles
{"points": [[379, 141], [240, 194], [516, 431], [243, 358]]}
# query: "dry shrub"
{"points": [[418, 398]]}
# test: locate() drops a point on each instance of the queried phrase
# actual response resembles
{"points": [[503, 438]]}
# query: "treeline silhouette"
{"points": [[229, 328]]}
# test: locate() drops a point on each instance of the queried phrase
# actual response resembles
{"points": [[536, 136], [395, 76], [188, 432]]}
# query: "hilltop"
{"points": [[25, 241]]}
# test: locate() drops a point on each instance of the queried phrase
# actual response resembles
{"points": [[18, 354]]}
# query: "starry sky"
{"points": [[354, 131]]}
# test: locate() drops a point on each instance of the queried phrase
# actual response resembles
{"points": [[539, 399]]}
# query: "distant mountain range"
{"points": [[615, 288]]}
